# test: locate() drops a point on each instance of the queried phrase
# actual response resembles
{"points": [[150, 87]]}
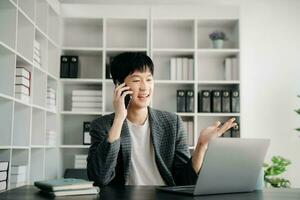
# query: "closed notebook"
{"points": [[90, 191], [63, 184]]}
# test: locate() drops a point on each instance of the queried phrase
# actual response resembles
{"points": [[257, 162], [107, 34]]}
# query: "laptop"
{"points": [[230, 165]]}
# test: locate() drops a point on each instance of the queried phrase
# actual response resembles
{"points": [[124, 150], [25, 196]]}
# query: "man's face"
{"points": [[142, 85]]}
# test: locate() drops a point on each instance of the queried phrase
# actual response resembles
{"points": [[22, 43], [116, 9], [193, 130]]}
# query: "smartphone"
{"points": [[127, 97]]}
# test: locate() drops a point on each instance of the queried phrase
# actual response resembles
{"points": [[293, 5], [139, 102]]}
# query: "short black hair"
{"points": [[127, 63]]}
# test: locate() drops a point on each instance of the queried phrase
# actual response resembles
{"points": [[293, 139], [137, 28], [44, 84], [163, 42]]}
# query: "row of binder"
{"points": [[69, 66], [216, 101]]}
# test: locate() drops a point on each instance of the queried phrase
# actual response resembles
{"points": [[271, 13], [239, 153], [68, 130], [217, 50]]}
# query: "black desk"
{"points": [[150, 193]]}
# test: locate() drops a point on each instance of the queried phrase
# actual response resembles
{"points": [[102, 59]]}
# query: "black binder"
{"points": [[86, 133], [225, 101], [73, 67], [227, 134], [216, 101], [235, 101], [64, 67], [181, 101], [235, 131], [204, 102], [189, 101]]}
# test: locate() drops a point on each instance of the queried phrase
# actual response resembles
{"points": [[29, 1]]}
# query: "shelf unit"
{"points": [[95, 38], [24, 124], [159, 37]]}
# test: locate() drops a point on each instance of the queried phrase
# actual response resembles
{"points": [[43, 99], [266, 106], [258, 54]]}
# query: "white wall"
{"points": [[270, 44]]}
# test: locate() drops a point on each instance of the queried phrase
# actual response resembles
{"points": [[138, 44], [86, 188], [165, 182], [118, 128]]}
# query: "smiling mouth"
{"points": [[143, 96]]}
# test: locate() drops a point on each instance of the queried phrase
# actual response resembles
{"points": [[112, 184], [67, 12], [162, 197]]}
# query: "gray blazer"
{"points": [[108, 163]]}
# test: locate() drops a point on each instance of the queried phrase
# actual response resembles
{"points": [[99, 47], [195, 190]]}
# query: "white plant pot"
{"points": [[218, 44]]}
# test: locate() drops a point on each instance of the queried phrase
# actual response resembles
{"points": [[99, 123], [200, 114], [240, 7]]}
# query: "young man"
{"points": [[139, 145]]}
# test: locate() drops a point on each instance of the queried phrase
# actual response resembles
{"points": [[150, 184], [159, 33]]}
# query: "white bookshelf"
{"points": [[24, 124], [161, 36], [95, 37]]}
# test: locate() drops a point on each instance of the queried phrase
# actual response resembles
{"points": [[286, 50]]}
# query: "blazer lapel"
{"points": [[156, 132], [126, 148]]}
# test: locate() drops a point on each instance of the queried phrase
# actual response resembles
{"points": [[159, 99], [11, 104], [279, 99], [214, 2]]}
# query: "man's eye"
{"points": [[150, 79], [135, 80]]}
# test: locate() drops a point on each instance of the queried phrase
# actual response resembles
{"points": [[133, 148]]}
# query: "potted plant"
{"points": [[217, 38], [272, 171]]}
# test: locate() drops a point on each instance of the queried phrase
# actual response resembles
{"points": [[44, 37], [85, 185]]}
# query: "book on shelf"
{"points": [[235, 131], [63, 184], [4, 165], [86, 133], [36, 52], [18, 175], [36, 45], [231, 67], [51, 95], [80, 109], [181, 68], [185, 68], [3, 186], [204, 102], [18, 169], [73, 67], [50, 138], [178, 68], [189, 103], [225, 101], [80, 161], [173, 69], [235, 68], [51, 102], [23, 72], [191, 69], [181, 101], [3, 175], [64, 67], [87, 93], [22, 81], [235, 101], [87, 98], [86, 104], [22, 89], [216, 101], [17, 178]]}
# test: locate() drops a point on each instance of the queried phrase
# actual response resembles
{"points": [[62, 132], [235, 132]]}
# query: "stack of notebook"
{"points": [[87, 100], [66, 187], [3, 175]]}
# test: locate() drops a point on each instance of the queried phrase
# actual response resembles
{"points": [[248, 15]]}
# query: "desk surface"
{"points": [[150, 193]]}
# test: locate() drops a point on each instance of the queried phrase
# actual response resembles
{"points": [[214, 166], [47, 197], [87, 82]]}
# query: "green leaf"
{"points": [[298, 111], [297, 129]]}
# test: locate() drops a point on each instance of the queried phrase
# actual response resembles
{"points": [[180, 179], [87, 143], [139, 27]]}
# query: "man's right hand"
{"points": [[118, 100]]}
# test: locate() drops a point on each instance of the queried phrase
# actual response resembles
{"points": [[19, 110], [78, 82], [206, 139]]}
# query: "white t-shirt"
{"points": [[143, 169]]}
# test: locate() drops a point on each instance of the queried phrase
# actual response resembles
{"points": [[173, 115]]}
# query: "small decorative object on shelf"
{"points": [[217, 38]]}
